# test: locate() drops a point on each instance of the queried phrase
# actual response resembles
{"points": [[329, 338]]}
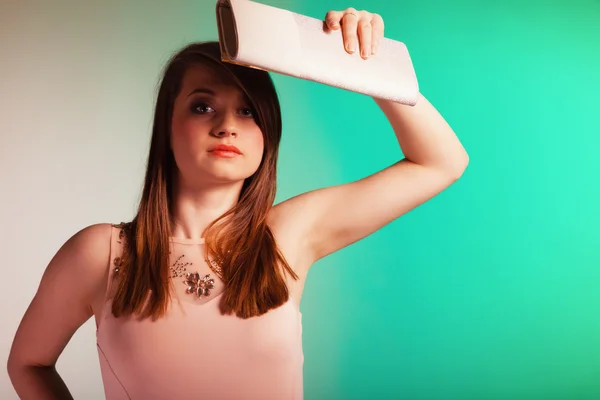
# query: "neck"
{"points": [[196, 207]]}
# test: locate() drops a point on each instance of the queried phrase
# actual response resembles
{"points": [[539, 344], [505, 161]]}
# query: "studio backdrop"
{"points": [[488, 291]]}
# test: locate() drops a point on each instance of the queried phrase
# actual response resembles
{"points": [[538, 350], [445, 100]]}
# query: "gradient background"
{"points": [[488, 291]]}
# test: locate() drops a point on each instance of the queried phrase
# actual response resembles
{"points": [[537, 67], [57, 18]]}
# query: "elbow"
{"points": [[16, 367], [461, 167], [454, 165], [12, 368], [11, 363], [454, 171]]}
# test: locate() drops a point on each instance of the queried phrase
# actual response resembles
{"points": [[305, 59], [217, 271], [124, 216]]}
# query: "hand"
{"points": [[358, 28]]}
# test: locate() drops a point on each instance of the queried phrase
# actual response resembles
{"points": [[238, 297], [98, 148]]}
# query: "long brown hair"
{"points": [[253, 266]]}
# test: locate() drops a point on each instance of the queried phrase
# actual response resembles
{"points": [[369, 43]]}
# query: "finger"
{"points": [[377, 32], [332, 19], [349, 26], [365, 37]]}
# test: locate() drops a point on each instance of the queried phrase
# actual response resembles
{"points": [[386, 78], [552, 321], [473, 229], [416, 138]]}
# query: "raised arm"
{"points": [[74, 278], [326, 220]]}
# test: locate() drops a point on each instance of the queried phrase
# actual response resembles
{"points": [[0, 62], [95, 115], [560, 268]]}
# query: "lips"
{"points": [[225, 147]]}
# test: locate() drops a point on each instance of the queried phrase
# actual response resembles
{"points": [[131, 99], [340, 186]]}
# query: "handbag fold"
{"points": [[272, 39]]}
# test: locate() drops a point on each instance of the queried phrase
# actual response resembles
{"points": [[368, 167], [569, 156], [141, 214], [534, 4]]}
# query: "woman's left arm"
{"points": [[332, 218]]}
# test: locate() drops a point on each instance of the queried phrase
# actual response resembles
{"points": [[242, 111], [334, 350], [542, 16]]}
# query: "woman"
{"points": [[201, 296]]}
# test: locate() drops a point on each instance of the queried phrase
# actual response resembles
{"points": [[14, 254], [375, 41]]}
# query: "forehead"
{"points": [[212, 77]]}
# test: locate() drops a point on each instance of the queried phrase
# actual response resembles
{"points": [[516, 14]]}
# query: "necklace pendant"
{"points": [[200, 286]]}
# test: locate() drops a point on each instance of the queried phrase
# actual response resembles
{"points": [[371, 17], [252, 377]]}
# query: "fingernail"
{"points": [[351, 48]]}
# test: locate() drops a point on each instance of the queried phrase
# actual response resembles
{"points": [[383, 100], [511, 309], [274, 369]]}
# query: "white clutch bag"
{"points": [[272, 39]]}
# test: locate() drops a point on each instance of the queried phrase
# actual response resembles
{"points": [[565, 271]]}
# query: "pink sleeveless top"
{"points": [[195, 352]]}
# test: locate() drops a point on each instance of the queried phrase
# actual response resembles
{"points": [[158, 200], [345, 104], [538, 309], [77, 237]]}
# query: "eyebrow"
{"points": [[213, 93], [202, 90]]}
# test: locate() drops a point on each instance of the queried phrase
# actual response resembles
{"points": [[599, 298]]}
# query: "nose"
{"points": [[225, 127]]}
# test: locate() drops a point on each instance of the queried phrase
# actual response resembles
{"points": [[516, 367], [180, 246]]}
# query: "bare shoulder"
{"points": [[82, 261], [288, 222], [86, 252], [90, 243], [295, 218]]}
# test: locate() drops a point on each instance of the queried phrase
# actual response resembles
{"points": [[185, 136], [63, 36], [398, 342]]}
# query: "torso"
{"points": [[141, 359]]}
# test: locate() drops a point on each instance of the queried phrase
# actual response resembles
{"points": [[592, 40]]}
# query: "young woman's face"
{"points": [[209, 112]]}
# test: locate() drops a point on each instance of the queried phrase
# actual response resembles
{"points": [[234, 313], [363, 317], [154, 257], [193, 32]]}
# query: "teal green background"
{"points": [[489, 290]]}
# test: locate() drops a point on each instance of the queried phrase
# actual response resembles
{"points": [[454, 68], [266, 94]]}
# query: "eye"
{"points": [[201, 108], [248, 112]]}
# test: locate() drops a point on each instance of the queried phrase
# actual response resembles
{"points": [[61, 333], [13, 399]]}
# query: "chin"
{"points": [[233, 174]]}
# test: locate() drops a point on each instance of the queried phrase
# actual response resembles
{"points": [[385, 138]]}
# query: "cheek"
{"points": [[186, 136], [187, 144], [258, 146]]}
